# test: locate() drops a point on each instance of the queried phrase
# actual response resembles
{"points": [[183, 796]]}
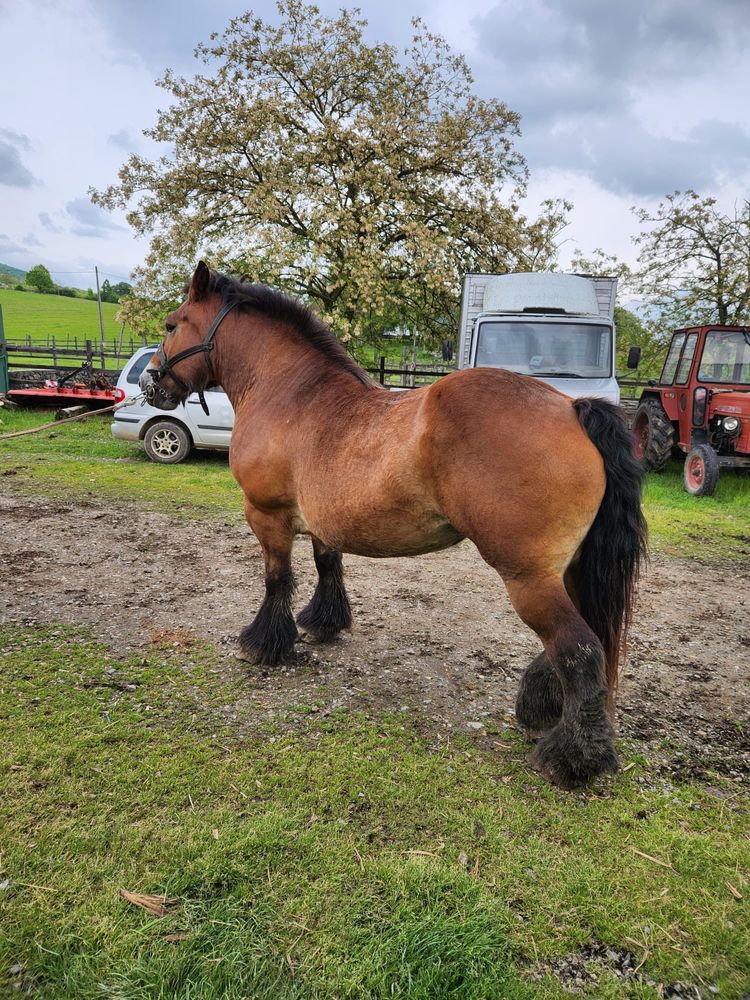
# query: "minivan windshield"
{"points": [[572, 350]]}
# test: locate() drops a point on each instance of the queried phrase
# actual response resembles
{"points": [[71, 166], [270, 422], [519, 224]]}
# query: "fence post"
{"points": [[382, 369], [54, 355], [3, 357], [89, 354]]}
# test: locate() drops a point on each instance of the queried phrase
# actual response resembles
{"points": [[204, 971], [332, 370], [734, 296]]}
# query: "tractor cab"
{"points": [[700, 406]]}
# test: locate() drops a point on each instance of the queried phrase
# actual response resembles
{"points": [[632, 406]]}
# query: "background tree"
{"points": [[694, 262], [40, 278], [113, 293], [364, 182]]}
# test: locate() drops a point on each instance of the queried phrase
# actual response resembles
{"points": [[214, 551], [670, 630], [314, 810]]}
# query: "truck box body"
{"points": [[556, 327]]}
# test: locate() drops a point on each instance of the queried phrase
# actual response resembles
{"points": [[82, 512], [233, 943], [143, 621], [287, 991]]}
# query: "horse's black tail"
{"points": [[614, 548]]}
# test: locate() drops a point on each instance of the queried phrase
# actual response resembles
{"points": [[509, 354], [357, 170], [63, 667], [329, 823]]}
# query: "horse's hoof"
{"points": [[533, 734], [570, 761], [271, 658]]}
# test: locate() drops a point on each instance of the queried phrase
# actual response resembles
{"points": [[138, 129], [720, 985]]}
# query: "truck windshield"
{"points": [[572, 350], [726, 357]]}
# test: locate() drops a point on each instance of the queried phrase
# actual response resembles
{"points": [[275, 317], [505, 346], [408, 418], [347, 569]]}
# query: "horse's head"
{"points": [[182, 363]]}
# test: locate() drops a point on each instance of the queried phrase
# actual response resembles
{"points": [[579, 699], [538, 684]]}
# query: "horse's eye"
{"points": [[171, 327]]}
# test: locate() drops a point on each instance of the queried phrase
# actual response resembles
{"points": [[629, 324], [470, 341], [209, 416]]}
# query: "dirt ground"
{"points": [[434, 636]]}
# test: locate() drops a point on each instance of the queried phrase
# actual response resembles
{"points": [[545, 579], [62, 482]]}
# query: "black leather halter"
{"points": [[166, 365]]}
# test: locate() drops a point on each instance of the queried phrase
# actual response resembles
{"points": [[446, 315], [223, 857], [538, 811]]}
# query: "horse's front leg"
{"points": [[329, 611], [270, 637]]}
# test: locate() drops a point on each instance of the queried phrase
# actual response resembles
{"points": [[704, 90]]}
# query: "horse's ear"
{"points": [[199, 283]]}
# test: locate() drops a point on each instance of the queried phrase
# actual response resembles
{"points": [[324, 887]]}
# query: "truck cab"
{"points": [[558, 328]]}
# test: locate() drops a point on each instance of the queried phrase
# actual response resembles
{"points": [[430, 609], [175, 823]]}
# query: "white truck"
{"points": [[556, 327]]}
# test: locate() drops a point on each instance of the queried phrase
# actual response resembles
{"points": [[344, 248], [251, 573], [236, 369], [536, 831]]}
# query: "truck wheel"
{"points": [[653, 435], [167, 442], [701, 473]]}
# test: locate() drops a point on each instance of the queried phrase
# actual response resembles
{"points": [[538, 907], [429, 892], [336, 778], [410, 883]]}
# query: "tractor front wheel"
{"points": [[701, 473], [653, 435]]}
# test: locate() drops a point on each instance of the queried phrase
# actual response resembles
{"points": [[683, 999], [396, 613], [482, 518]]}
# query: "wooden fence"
{"points": [[53, 360], [69, 352]]}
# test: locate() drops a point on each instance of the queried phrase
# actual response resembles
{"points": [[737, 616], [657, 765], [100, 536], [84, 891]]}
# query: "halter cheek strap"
{"points": [[166, 365]]}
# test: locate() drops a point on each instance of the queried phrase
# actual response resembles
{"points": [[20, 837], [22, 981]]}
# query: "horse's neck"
{"points": [[260, 367]]}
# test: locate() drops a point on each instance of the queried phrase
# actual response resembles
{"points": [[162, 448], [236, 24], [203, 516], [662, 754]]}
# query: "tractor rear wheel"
{"points": [[701, 473], [653, 435]]}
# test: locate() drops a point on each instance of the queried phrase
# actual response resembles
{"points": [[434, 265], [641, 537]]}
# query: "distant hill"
{"points": [[14, 271]]}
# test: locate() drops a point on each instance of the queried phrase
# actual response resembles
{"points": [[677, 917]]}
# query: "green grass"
{"points": [[681, 524], [348, 858], [83, 458]]}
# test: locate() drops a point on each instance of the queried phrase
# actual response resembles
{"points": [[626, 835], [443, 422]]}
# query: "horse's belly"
{"points": [[395, 534]]}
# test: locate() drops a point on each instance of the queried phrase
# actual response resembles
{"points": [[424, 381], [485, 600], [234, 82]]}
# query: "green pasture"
{"points": [[69, 321], [330, 859], [41, 317], [84, 458]]}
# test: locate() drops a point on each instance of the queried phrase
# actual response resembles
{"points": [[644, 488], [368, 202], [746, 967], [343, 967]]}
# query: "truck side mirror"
{"points": [[634, 357]]}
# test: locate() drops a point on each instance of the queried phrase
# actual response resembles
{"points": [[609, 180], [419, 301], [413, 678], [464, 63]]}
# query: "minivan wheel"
{"points": [[167, 442]]}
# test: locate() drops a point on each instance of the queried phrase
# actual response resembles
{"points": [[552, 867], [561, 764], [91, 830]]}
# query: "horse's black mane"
{"points": [[279, 306]]}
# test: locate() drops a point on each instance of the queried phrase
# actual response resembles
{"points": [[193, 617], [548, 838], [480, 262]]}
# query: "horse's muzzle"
{"points": [[155, 393]]}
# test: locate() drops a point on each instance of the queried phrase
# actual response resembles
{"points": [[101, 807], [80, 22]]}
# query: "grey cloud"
{"points": [[549, 58], [30, 240], [8, 246], [90, 220], [122, 140], [625, 158], [16, 138], [13, 171], [46, 220], [576, 70], [165, 34]]}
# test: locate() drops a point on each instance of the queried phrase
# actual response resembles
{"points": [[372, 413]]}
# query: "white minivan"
{"points": [[170, 436]]}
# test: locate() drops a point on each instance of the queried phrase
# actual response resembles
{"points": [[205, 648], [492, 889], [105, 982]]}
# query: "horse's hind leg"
{"points": [[580, 745], [329, 611], [539, 702], [270, 637]]}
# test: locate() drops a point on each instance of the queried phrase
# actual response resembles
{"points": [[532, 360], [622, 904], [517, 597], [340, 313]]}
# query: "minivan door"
{"points": [[215, 429]]}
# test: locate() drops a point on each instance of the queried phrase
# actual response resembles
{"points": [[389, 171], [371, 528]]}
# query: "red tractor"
{"points": [[701, 406]]}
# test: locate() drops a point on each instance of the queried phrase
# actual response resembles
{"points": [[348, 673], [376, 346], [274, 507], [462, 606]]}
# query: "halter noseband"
{"points": [[166, 365]]}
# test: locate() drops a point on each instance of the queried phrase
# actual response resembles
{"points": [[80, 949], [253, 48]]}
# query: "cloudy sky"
{"points": [[620, 104]]}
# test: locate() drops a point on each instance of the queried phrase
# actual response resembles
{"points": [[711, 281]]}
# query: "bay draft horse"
{"points": [[546, 487]]}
